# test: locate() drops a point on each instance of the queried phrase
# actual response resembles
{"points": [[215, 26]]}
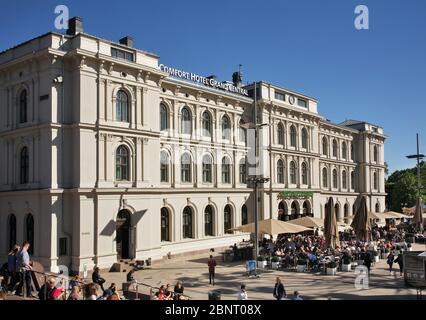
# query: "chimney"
{"points": [[75, 26], [127, 41]]}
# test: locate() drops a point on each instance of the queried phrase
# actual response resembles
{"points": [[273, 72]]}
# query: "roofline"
{"points": [[78, 34], [331, 124], [282, 88]]}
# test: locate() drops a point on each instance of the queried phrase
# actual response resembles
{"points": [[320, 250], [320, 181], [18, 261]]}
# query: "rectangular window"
{"points": [[301, 103], [63, 244], [279, 96], [121, 54]]}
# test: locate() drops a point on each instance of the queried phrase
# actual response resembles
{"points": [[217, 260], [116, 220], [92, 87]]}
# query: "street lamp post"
{"points": [[256, 180], [417, 156]]}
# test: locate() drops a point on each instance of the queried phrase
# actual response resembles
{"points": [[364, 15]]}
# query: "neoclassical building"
{"points": [[105, 155]]}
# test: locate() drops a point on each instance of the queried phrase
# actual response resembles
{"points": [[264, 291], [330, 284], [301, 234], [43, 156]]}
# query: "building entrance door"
{"points": [[123, 226]]}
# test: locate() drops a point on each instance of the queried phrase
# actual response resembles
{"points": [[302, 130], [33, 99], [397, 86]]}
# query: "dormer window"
{"points": [[122, 54]]}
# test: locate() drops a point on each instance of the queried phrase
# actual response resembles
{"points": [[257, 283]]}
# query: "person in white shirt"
{"points": [[242, 295]]}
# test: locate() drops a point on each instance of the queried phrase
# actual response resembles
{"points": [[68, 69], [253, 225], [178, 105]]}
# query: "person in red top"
{"points": [[212, 266]]}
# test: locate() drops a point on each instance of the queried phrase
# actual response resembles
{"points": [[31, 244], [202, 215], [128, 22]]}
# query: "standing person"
{"points": [[11, 267], [96, 278], [367, 261], [212, 266], [390, 261], [24, 268], [279, 290], [400, 261], [243, 293]]}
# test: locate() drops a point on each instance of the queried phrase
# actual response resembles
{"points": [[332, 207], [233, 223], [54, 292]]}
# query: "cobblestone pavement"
{"points": [[229, 276]]}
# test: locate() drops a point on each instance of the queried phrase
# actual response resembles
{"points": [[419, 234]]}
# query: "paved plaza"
{"points": [[229, 276]]}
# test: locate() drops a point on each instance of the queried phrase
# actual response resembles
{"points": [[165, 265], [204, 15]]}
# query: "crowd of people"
{"points": [[311, 250]]}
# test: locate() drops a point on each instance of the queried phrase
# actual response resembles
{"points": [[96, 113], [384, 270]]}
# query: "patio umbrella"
{"points": [[331, 233], [418, 218], [272, 226], [361, 222], [309, 222]]}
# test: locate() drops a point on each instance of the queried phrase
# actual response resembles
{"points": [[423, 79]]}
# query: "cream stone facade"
{"points": [[105, 156]]}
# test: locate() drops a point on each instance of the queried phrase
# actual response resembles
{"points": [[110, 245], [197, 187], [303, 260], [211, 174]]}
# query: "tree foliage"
{"points": [[401, 187]]}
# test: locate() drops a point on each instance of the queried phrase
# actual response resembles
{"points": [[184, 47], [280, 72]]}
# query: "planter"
{"points": [[346, 267], [301, 268], [275, 265], [376, 258], [331, 271], [261, 264]]}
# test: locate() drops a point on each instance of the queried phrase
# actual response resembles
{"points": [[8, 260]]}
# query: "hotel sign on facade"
{"points": [[208, 81]]}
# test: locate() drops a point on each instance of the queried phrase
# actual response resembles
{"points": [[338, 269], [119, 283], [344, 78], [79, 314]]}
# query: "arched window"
{"points": [[243, 171], [306, 208], [337, 212], [334, 148], [304, 138], [29, 232], [165, 224], [208, 221], [187, 223], [375, 181], [377, 207], [185, 168], [226, 170], [352, 180], [346, 212], [335, 178], [280, 171], [242, 132], [352, 152], [186, 121], [244, 215], [207, 124], [324, 178], [293, 136], [344, 150], [122, 163], [11, 231], [344, 180], [294, 210], [23, 108], [324, 146], [293, 173], [353, 209], [280, 133], [226, 128], [283, 211], [24, 166], [375, 154], [227, 218], [122, 106], [304, 173], [207, 169], [164, 166], [164, 117]]}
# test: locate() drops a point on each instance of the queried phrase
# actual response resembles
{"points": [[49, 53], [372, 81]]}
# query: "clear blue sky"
{"points": [[308, 46]]}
